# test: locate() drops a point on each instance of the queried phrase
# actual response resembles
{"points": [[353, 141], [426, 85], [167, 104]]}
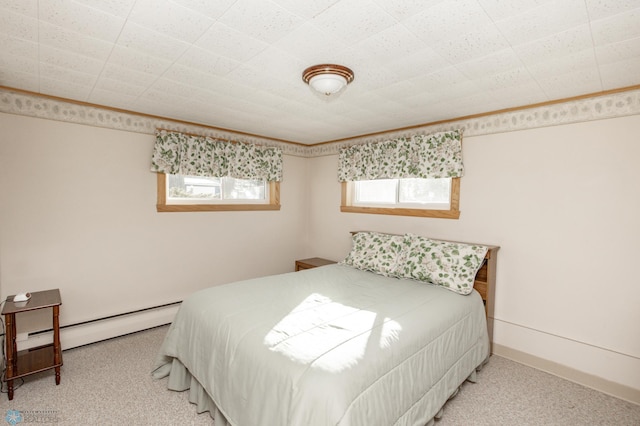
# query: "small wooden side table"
{"points": [[35, 360], [312, 262]]}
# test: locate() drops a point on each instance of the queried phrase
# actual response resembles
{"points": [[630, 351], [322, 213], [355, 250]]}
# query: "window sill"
{"points": [[442, 214], [214, 207]]}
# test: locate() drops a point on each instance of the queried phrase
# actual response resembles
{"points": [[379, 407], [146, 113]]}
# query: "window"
{"points": [[178, 193], [200, 189], [405, 197]]}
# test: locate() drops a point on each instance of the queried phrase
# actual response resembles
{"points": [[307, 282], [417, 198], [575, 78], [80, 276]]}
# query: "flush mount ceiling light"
{"points": [[327, 79]]}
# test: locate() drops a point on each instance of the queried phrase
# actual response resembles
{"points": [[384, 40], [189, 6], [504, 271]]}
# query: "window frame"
{"points": [[346, 204], [162, 206]]}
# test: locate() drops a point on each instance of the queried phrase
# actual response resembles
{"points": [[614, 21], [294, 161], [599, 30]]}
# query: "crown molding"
{"points": [[612, 104], [605, 105], [13, 101]]}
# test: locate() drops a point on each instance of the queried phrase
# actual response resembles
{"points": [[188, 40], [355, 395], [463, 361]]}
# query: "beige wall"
{"points": [[78, 213], [563, 203]]}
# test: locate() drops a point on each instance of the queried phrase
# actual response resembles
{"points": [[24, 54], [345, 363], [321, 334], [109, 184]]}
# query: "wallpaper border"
{"points": [[596, 107]]}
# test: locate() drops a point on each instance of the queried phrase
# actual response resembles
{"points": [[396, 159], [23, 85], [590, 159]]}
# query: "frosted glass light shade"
{"points": [[327, 79], [327, 84]]}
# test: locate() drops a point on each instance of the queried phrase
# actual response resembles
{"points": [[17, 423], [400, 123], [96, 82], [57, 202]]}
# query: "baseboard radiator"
{"points": [[87, 332]]}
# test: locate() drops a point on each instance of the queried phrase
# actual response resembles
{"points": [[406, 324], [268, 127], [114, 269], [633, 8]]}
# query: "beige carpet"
{"points": [[109, 383]]}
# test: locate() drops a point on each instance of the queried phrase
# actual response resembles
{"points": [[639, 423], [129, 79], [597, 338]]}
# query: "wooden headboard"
{"points": [[484, 283]]}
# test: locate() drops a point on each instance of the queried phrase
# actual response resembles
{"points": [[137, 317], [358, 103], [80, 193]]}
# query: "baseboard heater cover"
{"points": [[87, 332]]}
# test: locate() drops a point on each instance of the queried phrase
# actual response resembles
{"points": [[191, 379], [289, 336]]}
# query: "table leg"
{"points": [[57, 352], [11, 351]]}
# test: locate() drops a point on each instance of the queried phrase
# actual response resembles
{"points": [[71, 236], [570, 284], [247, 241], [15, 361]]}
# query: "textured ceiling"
{"points": [[237, 64]]}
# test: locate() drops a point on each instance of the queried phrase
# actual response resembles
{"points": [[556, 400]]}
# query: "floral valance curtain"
{"points": [[433, 156], [180, 154]]}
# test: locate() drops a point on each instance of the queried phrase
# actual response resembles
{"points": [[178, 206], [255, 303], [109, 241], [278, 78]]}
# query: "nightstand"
{"points": [[34, 360], [312, 262]]}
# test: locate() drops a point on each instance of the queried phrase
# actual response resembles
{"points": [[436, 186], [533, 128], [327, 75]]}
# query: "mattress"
{"points": [[326, 346]]}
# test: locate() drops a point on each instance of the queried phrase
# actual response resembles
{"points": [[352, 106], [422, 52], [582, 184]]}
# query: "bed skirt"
{"points": [[180, 380]]}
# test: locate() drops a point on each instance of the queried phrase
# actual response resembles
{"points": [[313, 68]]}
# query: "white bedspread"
{"points": [[327, 346]]}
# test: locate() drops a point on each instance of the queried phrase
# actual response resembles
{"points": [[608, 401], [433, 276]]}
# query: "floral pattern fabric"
{"points": [[178, 153], [434, 156], [451, 265], [375, 252], [447, 264]]}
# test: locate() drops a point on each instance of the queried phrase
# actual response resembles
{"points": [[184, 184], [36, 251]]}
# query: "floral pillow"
{"points": [[375, 252], [451, 265]]}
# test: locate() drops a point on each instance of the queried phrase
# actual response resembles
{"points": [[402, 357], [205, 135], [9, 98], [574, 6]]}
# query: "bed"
{"points": [[369, 340]]}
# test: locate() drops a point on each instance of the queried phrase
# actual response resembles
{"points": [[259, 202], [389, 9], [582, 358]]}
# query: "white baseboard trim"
{"points": [[82, 334], [589, 380], [95, 331]]}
